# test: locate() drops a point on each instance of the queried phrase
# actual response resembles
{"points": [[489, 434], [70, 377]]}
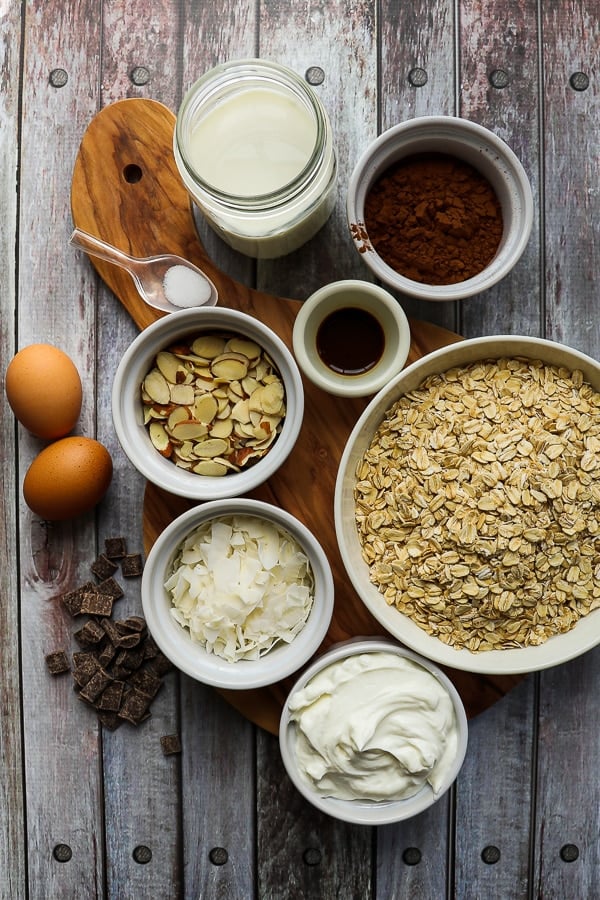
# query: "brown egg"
{"points": [[67, 478], [43, 388]]}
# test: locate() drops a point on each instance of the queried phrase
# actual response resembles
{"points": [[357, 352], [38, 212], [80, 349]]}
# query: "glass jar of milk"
{"points": [[254, 147]]}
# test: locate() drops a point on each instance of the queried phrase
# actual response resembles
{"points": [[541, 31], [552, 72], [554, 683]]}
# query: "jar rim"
{"points": [[253, 71]]}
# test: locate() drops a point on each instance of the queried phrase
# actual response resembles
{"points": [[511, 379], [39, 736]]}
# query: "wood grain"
{"points": [[13, 841]]}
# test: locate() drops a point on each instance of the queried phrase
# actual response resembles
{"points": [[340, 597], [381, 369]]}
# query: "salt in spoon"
{"points": [[166, 282]]}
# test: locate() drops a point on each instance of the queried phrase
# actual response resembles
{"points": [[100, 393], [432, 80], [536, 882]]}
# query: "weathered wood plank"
{"points": [[418, 78], [303, 853], [142, 803], [339, 40], [568, 795], [494, 798], [415, 36], [218, 745], [500, 37], [498, 44], [61, 739], [12, 824]]}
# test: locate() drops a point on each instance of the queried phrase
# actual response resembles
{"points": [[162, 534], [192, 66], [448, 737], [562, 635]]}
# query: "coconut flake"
{"points": [[240, 585]]}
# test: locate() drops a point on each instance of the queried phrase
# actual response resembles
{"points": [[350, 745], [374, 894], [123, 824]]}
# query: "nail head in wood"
{"points": [[315, 75], [569, 853], [499, 78], [218, 856], [412, 856], [579, 81], [62, 853], [58, 78], [490, 855], [142, 854], [417, 77], [312, 856], [140, 75]]}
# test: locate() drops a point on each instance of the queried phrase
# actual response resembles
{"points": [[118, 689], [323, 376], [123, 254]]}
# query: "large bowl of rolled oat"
{"points": [[467, 505]]}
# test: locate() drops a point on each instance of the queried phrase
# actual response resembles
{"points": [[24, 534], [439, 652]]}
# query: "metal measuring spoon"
{"points": [[166, 282]]}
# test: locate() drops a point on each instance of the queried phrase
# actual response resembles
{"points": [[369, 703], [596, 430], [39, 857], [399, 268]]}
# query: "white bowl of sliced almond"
{"points": [[237, 593], [207, 403]]}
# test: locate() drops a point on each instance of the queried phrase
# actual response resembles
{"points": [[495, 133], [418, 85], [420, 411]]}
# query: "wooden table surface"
{"points": [[88, 813]]}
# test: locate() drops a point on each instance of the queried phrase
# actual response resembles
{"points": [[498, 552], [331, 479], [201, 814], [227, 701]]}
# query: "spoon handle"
{"points": [[95, 247]]}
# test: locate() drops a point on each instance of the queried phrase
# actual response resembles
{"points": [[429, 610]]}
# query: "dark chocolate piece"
{"points": [[115, 547], [170, 743], [146, 682], [111, 697], [111, 587], [103, 567], [57, 662], [109, 719], [97, 683], [90, 634], [96, 604], [132, 565], [134, 706]]}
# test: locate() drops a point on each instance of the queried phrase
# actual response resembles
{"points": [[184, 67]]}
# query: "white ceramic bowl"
{"points": [[127, 406], [351, 294], [190, 656], [473, 144], [365, 812], [557, 649]]}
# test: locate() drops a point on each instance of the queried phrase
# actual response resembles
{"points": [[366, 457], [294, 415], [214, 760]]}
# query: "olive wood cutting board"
{"points": [[127, 191]]}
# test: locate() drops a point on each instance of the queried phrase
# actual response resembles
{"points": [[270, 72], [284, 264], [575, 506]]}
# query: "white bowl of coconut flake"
{"points": [[237, 593]]}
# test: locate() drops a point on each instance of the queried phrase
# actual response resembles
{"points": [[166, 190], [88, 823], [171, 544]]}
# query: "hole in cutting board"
{"points": [[132, 173]]}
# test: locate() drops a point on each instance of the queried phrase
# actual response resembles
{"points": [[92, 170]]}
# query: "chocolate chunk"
{"points": [[150, 648], [96, 604], [127, 661], [103, 567], [146, 682], [57, 662], [90, 634], [115, 547], [97, 683], [111, 697], [131, 623], [86, 661], [134, 706], [131, 565], [170, 744], [110, 587], [72, 600], [160, 664], [107, 654], [119, 638], [110, 720]]}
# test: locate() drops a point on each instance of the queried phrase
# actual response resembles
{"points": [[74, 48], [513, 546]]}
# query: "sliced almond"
{"points": [[249, 349], [183, 394], [210, 467], [230, 366], [221, 428], [241, 411], [160, 439], [206, 408], [171, 367], [211, 447], [179, 414], [208, 346], [189, 430], [156, 387]]}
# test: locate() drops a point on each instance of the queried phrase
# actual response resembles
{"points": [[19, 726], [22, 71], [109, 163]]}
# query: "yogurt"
{"points": [[375, 726]]}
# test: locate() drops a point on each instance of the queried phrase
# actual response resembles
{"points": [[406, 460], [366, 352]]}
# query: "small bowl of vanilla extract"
{"points": [[350, 338]]}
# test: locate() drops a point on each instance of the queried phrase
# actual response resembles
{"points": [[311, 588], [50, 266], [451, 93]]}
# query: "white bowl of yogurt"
{"points": [[372, 733]]}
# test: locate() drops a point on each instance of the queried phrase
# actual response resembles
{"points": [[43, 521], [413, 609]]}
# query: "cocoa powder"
{"points": [[434, 218]]}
